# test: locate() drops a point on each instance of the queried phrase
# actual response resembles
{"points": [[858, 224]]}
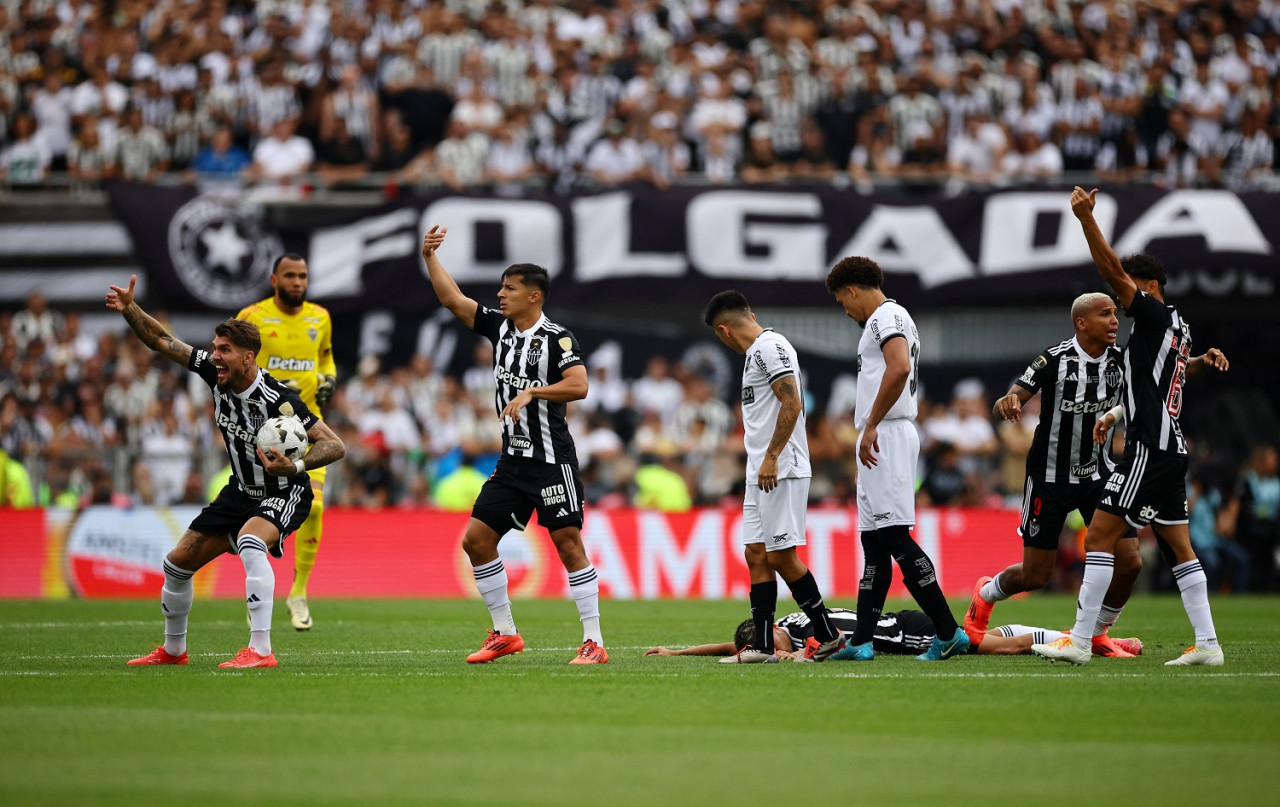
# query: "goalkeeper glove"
{"points": [[324, 390]]}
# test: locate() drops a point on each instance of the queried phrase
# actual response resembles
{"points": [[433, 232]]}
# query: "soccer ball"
{"points": [[284, 434]]}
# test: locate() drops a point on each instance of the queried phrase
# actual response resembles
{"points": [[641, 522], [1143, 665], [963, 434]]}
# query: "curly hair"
{"points": [[744, 635], [1145, 267], [855, 271]]}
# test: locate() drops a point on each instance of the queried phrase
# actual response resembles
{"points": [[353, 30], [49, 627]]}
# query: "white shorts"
{"points": [[887, 491], [776, 518]]}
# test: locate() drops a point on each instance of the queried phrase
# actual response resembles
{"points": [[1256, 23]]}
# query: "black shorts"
{"points": [[518, 486], [1147, 486], [227, 514], [1046, 505]]}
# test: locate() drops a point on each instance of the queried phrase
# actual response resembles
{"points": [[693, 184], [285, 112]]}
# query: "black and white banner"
{"points": [[641, 245]]}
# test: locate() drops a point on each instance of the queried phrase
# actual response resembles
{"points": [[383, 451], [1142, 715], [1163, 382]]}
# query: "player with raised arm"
{"points": [[297, 348], [888, 447], [778, 473], [1079, 380], [1148, 487], [268, 495], [896, 633], [538, 368]]}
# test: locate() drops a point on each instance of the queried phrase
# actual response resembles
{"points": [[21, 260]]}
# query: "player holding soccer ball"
{"points": [[268, 495], [297, 348]]}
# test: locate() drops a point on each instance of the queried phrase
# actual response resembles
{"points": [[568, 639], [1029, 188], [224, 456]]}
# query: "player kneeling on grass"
{"points": [[904, 633], [268, 495]]}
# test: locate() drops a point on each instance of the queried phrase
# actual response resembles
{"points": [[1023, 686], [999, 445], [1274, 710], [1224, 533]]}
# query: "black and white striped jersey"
{"points": [[1075, 390], [537, 357], [1155, 368], [239, 415], [896, 632]]}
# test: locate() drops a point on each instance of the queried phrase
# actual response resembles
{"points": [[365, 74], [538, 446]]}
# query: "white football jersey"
{"points": [[888, 321], [770, 358]]}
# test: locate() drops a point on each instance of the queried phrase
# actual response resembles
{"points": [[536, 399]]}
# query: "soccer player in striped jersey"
{"points": [[1148, 487], [778, 472], [268, 495], [1079, 381], [538, 368], [297, 348], [896, 633]]}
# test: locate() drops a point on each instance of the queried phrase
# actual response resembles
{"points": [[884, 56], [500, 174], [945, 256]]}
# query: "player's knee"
{"points": [[756, 556], [1128, 564]]}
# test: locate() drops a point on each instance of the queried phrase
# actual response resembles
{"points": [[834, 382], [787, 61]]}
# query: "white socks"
{"points": [[991, 592], [175, 601], [1098, 570], [1107, 617], [585, 588], [1038, 635], [1195, 600], [491, 582], [259, 588]]}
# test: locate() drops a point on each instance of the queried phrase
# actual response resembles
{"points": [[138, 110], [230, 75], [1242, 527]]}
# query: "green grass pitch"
{"points": [[376, 707]]}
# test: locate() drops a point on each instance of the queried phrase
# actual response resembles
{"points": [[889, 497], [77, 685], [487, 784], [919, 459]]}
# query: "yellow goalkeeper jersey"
{"points": [[296, 348]]}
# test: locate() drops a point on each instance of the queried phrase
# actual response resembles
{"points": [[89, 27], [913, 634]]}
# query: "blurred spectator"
{"points": [[945, 481], [282, 156], [36, 322], [615, 158], [222, 160], [24, 163], [15, 483], [1212, 523], [141, 150], [1258, 530]]}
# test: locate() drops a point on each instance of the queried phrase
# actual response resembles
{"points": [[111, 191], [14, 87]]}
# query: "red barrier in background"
{"points": [[112, 552]]}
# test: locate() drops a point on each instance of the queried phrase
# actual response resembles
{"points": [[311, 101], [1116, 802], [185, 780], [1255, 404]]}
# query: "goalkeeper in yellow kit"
{"points": [[297, 348]]}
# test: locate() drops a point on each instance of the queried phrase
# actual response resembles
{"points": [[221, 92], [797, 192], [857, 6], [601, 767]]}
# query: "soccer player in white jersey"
{"points": [[778, 472], [888, 447]]}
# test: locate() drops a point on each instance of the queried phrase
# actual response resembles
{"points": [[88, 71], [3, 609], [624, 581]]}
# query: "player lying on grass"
{"points": [[898, 633]]}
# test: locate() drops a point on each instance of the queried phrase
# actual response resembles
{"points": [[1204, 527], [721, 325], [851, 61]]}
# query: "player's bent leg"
{"points": [[193, 552], [1105, 530], [584, 587], [1125, 577], [480, 542], [1194, 588], [804, 590]]}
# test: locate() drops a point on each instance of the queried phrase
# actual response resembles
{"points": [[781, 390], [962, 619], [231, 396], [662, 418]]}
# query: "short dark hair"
{"points": [[855, 271], [530, 274], [745, 634], [241, 333], [1145, 267], [726, 302], [288, 256]]}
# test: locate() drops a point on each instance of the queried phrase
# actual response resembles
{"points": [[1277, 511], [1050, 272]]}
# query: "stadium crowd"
{"points": [[466, 93], [104, 420]]}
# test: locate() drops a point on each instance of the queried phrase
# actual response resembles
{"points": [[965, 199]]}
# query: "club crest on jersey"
{"points": [[312, 333], [1034, 529], [534, 354], [1112, 374]]}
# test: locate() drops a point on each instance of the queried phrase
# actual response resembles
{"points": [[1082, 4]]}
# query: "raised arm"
{"points": [[446, 289], [1104, 257], [789, 410], [151, 332]]}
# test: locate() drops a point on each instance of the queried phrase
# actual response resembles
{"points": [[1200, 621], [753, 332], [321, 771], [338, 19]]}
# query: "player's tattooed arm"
{"points": [[326, 447], [789, 410], [148, 329]]}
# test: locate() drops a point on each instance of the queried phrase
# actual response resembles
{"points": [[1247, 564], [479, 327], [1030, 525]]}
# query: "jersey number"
{"points": [[915, 368], [1174, 404]]}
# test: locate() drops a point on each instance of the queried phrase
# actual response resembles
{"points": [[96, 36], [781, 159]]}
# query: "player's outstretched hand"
{"points": [[1216, 359], [659, 651], [869, 446], [433, 240], [276, 463], [1010, 407], [119, 298], [1082, 203]]}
